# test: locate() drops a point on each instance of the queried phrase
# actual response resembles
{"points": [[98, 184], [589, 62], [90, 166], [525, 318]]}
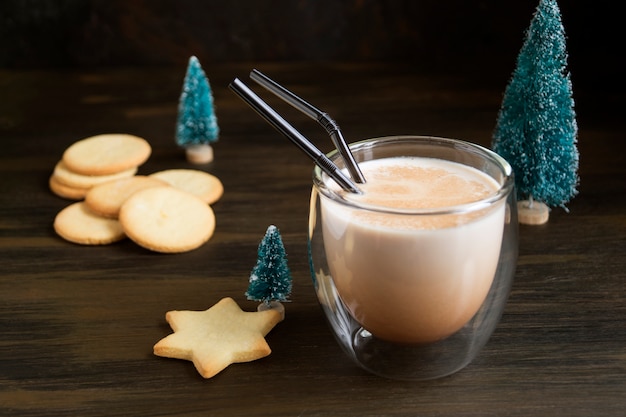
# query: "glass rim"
{"points": [[505, 188]]}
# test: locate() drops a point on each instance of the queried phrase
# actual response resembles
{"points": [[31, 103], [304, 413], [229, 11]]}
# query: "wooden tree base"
{"points": [[274, 305], [532, 212], [199, 154]]}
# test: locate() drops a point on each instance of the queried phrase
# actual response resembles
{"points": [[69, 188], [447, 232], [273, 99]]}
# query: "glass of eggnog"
{"points": [[413, 273]]}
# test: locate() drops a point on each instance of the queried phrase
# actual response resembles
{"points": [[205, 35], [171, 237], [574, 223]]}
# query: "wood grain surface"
{"points": [[77, 324]]}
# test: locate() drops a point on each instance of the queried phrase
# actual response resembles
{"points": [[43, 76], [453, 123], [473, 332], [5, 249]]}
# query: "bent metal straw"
{"points": [[316, 114], [280, 124]]}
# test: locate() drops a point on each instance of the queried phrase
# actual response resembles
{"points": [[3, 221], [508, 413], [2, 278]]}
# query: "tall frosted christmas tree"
{"points": [[196, 127], [270, 279], [536, 129]]}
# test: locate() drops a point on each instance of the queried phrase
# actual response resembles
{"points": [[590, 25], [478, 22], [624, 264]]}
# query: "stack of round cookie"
{"points": [[95, 160], [166, 212]]}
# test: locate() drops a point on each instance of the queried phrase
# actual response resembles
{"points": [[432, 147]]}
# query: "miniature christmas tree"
{"points": [[536, 129], [270, 279], [196, 127]]}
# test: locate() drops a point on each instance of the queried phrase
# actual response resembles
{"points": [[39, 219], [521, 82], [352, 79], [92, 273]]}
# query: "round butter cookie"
{"points": [[199, 183], [65, 191], [76, 223], [106, 154], [106, 199], [166, 219], [70, 178]]}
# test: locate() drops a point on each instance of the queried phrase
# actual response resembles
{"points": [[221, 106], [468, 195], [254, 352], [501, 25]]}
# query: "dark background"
{"points": [[452, 36]]}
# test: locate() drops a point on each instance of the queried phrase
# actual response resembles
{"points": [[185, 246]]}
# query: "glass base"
{"points": [[412, 362]]}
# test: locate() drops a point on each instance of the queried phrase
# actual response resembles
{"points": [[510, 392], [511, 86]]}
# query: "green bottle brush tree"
{"points": [[536, 129], [270, 279], [196, 127]]}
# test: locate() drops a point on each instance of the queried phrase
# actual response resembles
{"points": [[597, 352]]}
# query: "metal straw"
{"points": [[280, 124], [314, 113]]}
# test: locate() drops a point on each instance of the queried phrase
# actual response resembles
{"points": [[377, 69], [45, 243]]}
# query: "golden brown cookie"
{"points": [[204, 185], [217, 337], [76, 223], [106, 154], [70, 178], [65, 191], [166, 219], [107, 198]]}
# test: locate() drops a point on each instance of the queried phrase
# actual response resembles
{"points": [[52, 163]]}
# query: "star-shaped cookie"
{"points": [[215, 338]]}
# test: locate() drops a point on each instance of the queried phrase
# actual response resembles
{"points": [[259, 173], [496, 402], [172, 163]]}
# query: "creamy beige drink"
{"points": [[421, 275]]}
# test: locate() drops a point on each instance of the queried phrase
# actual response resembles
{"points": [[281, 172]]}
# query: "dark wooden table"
{"points": [[77, 324]]}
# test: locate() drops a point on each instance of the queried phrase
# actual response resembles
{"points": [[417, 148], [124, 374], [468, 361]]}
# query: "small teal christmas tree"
{"points": [[270, 279], [196, 127], [536, 128]]}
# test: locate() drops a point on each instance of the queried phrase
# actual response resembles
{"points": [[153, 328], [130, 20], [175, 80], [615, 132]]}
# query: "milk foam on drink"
{"points": [[414, 277]]}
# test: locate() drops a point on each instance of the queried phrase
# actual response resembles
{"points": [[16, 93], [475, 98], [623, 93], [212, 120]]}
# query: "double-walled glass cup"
{"points": [[414, 303]]}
